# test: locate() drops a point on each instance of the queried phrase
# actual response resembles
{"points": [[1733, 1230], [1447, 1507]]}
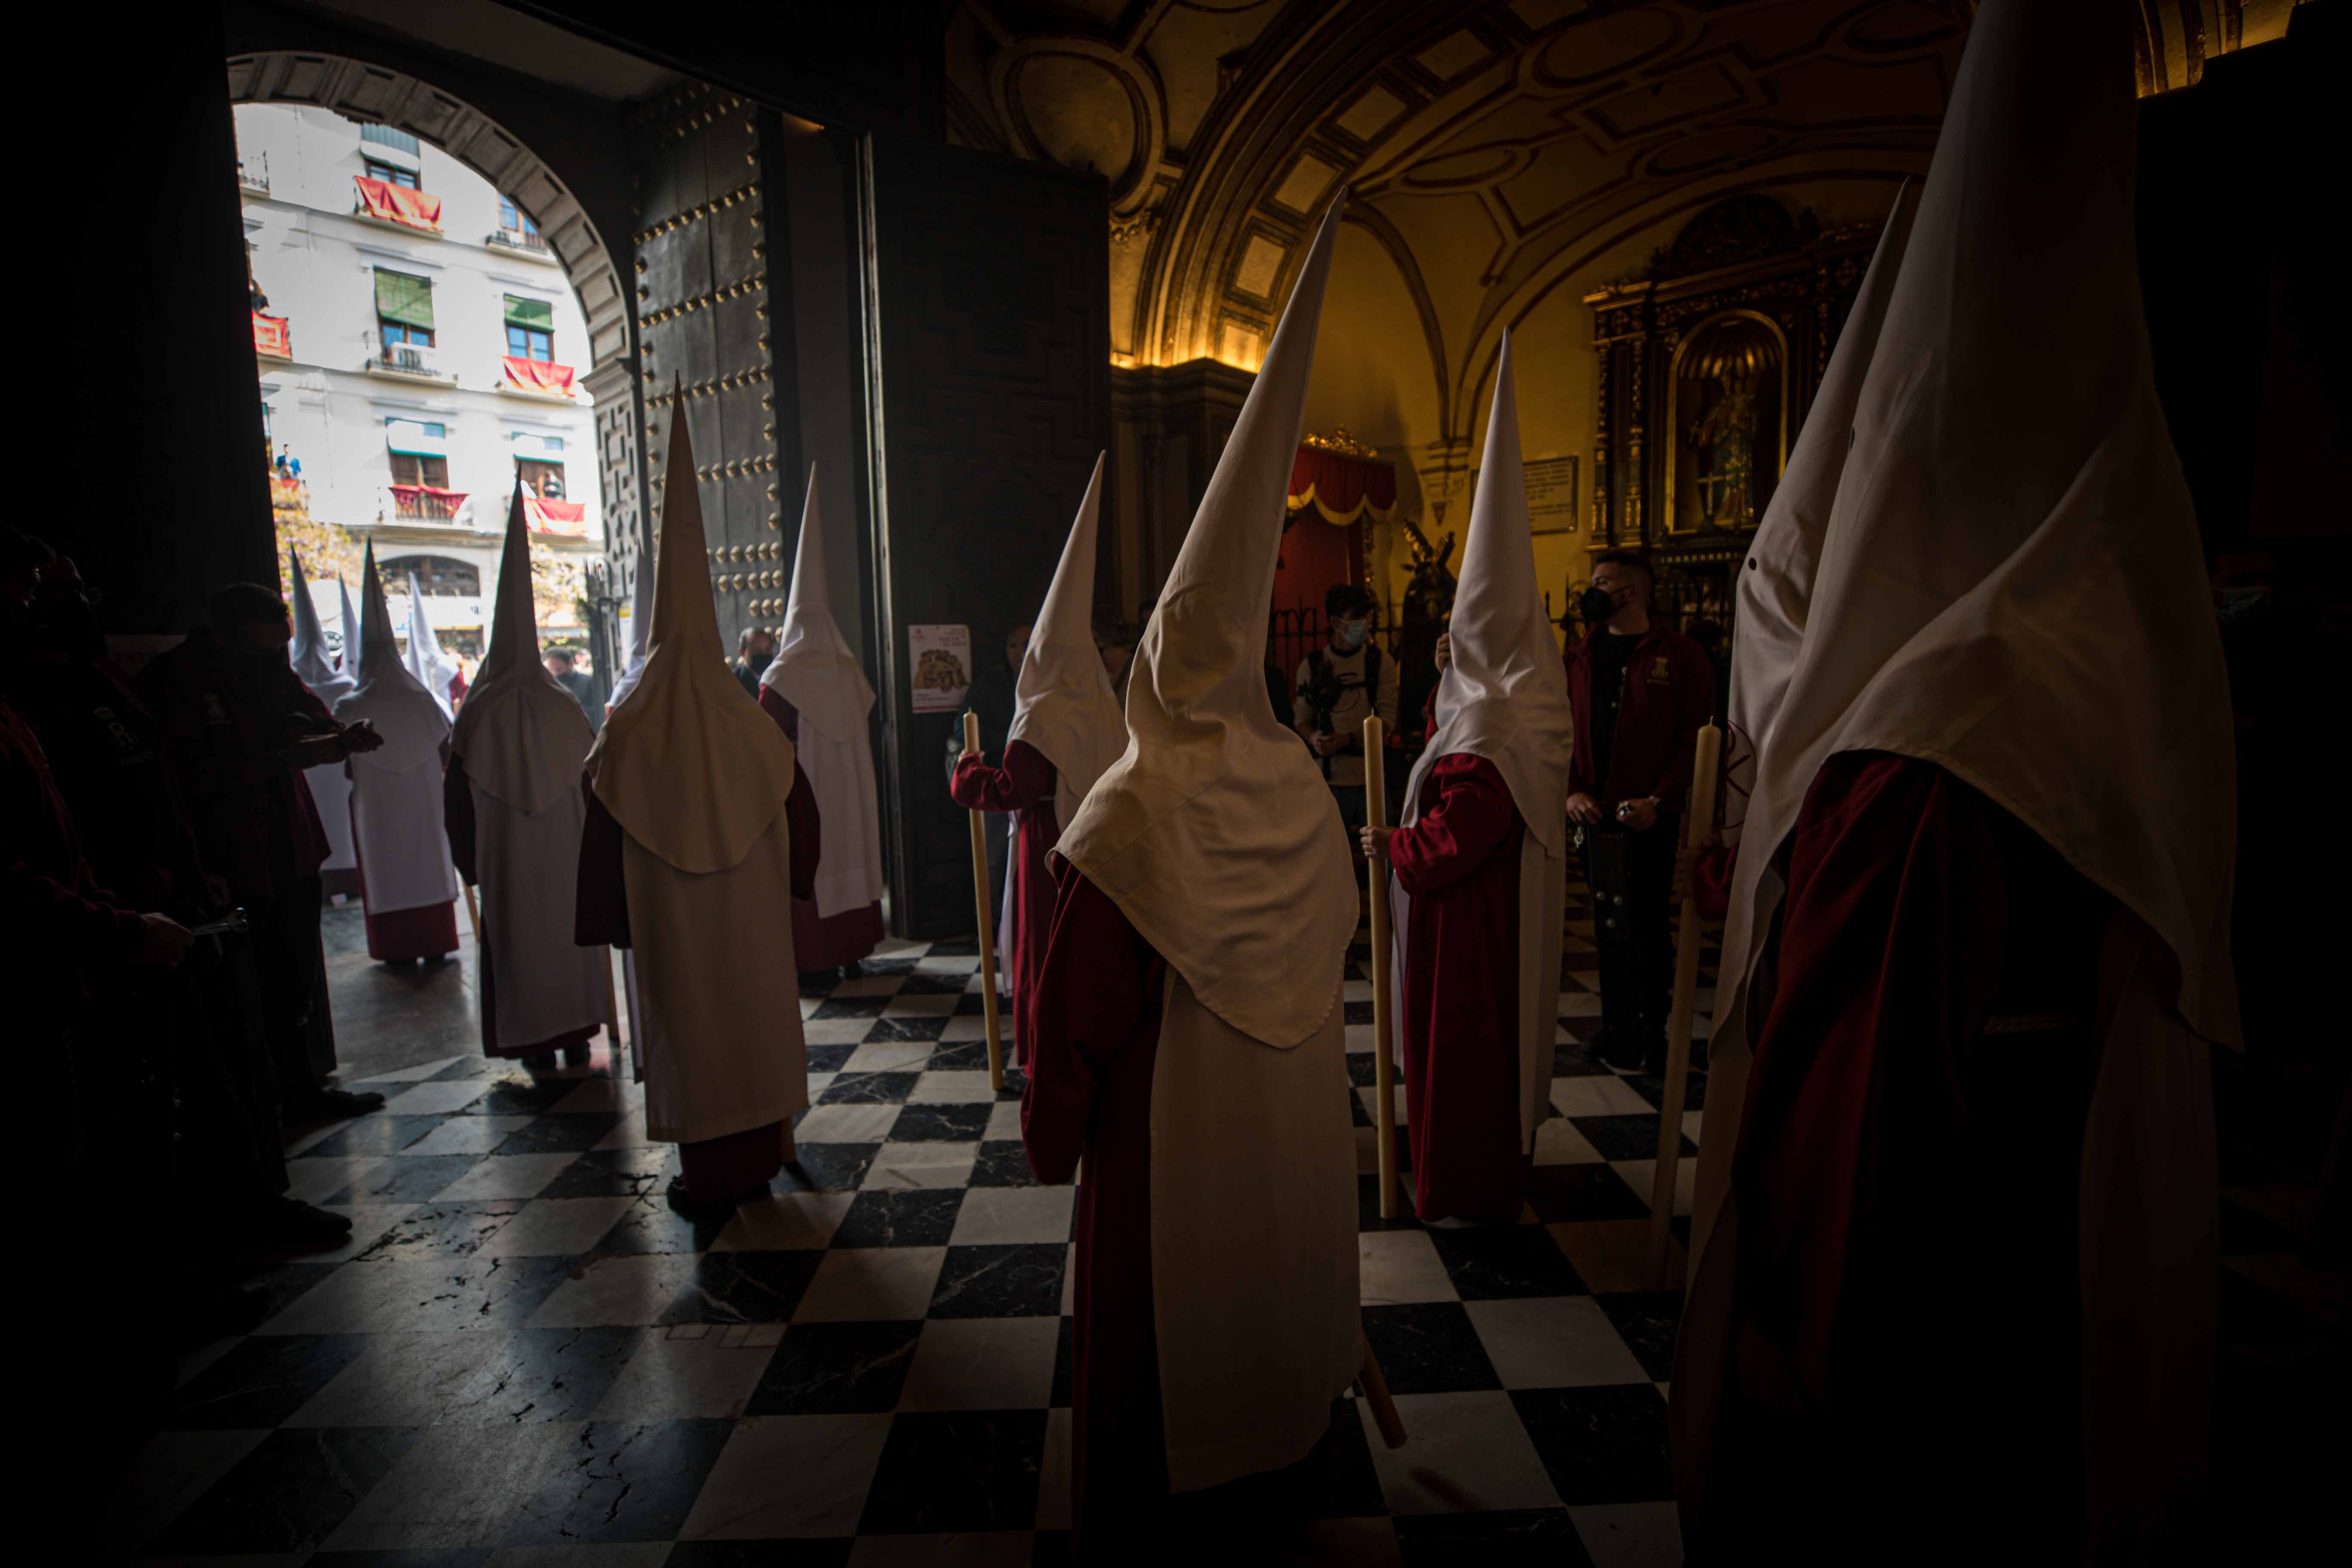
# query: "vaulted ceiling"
{"points": [[1496, 153]]}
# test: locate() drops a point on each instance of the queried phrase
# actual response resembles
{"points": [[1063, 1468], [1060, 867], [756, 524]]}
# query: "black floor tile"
{"points": [[1564, 1192], [1570, 1060], [1367, 1199], [373, 1135], [527, 1097], [837, 1369], [445, 1230], [1507, 1539], [652, 1225], [960, 1056], [611, 1173], [550, 1374], [1429, 1347], [825, 1167], [1599, 1445], [285, 1283], [923, 1216], [869, 1088], [1632, 1137], [289, 1493], [926, 984], [1364, 1068], [1646, 1321], [923, 1026], [1356, 1012], [1019, 1280], [410, 1178], [1004, 1164], [744, 1288], [1652, 1086], [626, 1482], [828, 1058], [262, 1380], [965, 1470], [941, 1124], [1491, 1262], [851, 1007], [572, 1134]]}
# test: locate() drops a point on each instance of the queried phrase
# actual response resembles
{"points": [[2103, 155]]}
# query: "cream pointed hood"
{"points": [[814, 669], [386, 692], [1216, 834], [687, 764], [1063, 701], [425, 660], [641, 633], [307, 651], [521, 733], [1504, 695]]}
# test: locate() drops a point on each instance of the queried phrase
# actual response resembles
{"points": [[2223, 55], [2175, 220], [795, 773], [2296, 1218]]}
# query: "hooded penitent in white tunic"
{"points": [[1061, 701], [432, 668], [815, 671], [1216, 836], [520, 738], [1503, 697], [404, 846], [331, 787], [697, 777], [1994, 567], [641, 633]]}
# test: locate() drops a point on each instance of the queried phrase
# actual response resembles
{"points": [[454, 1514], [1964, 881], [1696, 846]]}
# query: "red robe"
{"points": [[1096, 1016], [458, 815], [1025, 785], [821, 941], [1459, 862], [715, 1168], [1906, 1323]]}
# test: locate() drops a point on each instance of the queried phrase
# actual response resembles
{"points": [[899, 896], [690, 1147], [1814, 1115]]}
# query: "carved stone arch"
{"points": [[370, 92]]}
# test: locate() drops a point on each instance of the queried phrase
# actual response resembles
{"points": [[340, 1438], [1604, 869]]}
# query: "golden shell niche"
{"points": [[1728, 420]]}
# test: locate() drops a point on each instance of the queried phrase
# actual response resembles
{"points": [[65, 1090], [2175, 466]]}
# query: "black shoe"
{"points": [[1618, 1056], [853, 970], [683, 1199], [578, 1056], [542, 1061], [332, 1105], [817, 982], [285, 1222]]}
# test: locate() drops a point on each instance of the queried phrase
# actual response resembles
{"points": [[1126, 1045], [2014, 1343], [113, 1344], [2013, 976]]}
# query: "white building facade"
{"points": [[416, 340]]}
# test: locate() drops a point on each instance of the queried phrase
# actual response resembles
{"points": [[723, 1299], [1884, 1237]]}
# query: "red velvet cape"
{"points": [[1024, 784]]}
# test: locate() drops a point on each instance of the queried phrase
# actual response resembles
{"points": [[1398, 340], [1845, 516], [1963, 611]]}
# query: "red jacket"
{"points": [[1669, 693]]}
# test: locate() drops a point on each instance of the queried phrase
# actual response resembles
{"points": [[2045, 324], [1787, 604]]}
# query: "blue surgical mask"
{"points": [[1351, 635]]}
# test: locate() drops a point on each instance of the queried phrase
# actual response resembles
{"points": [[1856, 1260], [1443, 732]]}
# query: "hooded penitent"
{"points": [[697, 777], [404, 847], [331, 787], [1218, 839], [1063, 703], [349, 662], [641, 632], [1503, 697], [425, 660], [2010, 586], [519, 741], [815, 671]]}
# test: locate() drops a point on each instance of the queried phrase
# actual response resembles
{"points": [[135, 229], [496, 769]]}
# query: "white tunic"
{"points": [[331, 789], [404, 846], [528, 863]]}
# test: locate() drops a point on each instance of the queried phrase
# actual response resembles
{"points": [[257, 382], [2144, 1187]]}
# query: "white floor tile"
{"points": [[922, 1164], [1004, 1122], [469, 1135], [871, 1284], [1603, 1094], [784, 1222], [1641, 1173], [1401, 1266], [888, 1056], [456, 1486], [952, 1088], [400, 1380], [846, 1124], [828, 1460], [617, 1290], [1556, 1342], [1558, 1142], [685, 1380], [1630, 1535], [982, 1363], [439, 1098], [1001, 1216], [556, 1227], [1464, 1453], [504, 1176], [835, 1031]]}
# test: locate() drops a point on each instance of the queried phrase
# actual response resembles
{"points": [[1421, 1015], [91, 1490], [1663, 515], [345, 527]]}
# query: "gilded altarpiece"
{"points": [[1707, 364]]}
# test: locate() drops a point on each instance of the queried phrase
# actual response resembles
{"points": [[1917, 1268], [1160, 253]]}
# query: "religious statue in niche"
{"points": [[1728, 384]]}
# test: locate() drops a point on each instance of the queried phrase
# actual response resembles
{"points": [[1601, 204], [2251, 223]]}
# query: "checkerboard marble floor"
{"points": [[524, 1357]]}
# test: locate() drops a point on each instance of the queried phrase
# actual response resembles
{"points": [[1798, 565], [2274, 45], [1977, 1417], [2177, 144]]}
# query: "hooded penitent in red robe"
{"points": [[1023, 785], [1478, 863]]}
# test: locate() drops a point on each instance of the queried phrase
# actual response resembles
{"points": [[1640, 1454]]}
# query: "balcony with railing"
{"points": [[422, 504], [413, 362], [527, 243], [398, 206], [253, 174]]}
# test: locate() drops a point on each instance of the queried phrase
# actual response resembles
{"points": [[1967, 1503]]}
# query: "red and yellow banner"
{"points": [[398, 203], [273, 335], [555, 516], [1342, 487], [537, 376], [415, 502]]}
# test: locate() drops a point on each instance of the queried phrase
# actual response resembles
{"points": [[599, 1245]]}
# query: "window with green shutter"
{"points": [[531, 329], [403, 307]]}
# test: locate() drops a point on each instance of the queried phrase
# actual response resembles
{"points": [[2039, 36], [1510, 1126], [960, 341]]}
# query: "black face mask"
{"points": [[1596, 605]]}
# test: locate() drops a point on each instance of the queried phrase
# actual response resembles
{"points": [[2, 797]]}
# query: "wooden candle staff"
{"points": [[1376, 1395], [1697, 825], [987, 928], [1376, 812]]}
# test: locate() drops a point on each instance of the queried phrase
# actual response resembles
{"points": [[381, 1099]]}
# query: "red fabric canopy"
{"points": [[398, 203], [424, 501], [1340, 486], [273, 335], [555, 516], [537, 376]]}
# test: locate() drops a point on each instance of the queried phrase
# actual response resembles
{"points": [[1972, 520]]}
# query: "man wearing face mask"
{"points": [[1641, 690], [1335, 688]]}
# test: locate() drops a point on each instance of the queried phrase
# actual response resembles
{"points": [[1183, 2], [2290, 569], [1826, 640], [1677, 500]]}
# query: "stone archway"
{"points": [[370, 92]]}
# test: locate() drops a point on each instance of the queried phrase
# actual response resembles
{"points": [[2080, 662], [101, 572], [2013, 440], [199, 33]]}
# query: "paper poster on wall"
{"points": [[1551, 495], [941, 658]]}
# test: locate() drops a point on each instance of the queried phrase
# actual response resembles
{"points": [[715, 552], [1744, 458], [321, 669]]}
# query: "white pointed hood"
{"points": [[1063, 701], [1504, 695], [814, 669], [386, 693], [307, 651], [425, 658], [687, 764], [351, 656], [641, 632], [521, 733], [1215, 833]]}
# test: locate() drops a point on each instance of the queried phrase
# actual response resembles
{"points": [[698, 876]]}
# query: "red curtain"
{"points": [[555, 516], [1340, 487], [273, 335], [424, 501], [537, 376], [398, 203]]}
